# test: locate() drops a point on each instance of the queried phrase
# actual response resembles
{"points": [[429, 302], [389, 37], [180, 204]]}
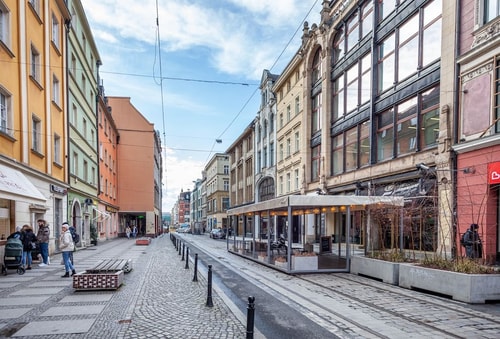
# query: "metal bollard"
{"points": [[182, 259], [180, 247], [187, 258], [250, 316], [209, 292], [195, 277]]}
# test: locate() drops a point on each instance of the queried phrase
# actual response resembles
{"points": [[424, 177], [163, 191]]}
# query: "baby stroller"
{"points": [[13, 256]]}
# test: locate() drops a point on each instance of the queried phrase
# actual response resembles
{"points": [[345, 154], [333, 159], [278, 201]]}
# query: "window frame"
{"points": [[6, 113], [36, 133]]}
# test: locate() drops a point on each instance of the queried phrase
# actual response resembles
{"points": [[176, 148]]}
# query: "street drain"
{"points": [[10, 330]]}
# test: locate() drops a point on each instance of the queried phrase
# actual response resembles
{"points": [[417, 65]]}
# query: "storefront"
{"points": [[300, 233]]}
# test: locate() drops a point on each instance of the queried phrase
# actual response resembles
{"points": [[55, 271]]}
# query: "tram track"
{"points": [[345, 304]]}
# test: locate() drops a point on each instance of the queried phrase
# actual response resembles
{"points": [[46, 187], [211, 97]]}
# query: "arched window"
{"points": [[316, 67]]}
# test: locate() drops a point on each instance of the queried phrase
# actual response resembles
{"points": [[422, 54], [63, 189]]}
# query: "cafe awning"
{"points": [[15, 186], [310, 201]]}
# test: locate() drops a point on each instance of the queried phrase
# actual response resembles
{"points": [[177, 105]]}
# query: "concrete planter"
{"points": [[304, 263], [283, 265], [386, 271], [262, 258], [469, 288], [98, 281]]}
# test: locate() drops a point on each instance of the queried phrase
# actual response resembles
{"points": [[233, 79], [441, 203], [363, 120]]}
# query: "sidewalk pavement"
{"points": [[158, 299]]}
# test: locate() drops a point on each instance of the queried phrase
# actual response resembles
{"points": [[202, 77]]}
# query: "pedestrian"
{"points": [[127, 231], [17, 234], [472, 242], [29, 245], [134, 231], [43, 236], [66, 246], [72, 231]]}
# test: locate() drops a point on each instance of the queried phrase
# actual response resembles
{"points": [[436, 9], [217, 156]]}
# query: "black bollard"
{"points": [[195, 277], [250, 316], [209, 295], [180, 247], [187, 258], [182, 259]]}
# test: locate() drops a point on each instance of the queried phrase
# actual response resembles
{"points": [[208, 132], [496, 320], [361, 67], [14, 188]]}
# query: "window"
{"points": [[57, 149], [297, 179], [385, 8], [338, 154], [431, 46], [226, 185], [5, 113], [75, 164], [35, 64], [288, 183], [364, 144], [281, 152], [93, 176], [315, 162], [351, 149], [429, 132], [259, 161], [85, 171], [406, 133], [385, 135], [271, 123], [297, 141], [496, 96], [84, 129], [366, 18], [281, 120], [4, 24], [226, 169], [288, 147], [316, 68], [264, 162], [316, 113], [386, 63], [281, 185], [55, 90], [491, 10], [55, 31], [74, 114], [35, 4], [36, 137], [352, 28], [408, 47], [271, 154], [297, 105], [338, 46], [265, 128], [73, 65], [288, 113], [84, 84]]}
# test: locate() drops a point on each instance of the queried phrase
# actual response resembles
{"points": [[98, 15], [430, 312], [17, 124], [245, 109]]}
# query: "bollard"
{"points": [[180, 247], [187, 258], [182, 259], [250, 316], [209, 284], [195, 277]]}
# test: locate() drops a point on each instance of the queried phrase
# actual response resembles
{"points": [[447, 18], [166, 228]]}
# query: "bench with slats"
{"points": [[106, 275]]}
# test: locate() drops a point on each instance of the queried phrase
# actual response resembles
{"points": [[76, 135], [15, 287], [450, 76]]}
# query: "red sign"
{"points": [[494, 173]]}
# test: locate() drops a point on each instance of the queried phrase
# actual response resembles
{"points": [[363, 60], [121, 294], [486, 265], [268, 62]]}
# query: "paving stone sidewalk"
{"points": [[157, 300]]}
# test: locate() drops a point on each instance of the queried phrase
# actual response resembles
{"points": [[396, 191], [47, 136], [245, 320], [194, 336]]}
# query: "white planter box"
{"points": [[262, 258], [469, 288], [304, 263], [385, 271], [283, 265]]}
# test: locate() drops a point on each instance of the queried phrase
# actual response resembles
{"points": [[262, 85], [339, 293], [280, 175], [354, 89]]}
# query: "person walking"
{"points": [[43, 236], [127, 232], [29, 244], [472, 242], [66, 246], [134, 232]]}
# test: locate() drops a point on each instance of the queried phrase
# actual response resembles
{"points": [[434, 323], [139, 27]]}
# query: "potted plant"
{"points": [[304, 261]]}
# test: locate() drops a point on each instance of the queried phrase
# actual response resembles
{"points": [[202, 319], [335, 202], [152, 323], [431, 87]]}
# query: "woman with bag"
{"points": [[66, 246], [29, 244]]}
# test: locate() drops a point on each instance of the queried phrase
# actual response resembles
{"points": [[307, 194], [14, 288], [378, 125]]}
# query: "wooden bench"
{"points": [[106, 275]]}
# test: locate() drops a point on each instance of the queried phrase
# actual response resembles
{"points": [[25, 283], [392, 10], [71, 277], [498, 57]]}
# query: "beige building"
{"points": [[217, 191]]}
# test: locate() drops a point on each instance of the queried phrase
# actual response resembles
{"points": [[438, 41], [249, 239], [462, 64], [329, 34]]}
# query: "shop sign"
{"points": [[58, 189], [494, 173]]}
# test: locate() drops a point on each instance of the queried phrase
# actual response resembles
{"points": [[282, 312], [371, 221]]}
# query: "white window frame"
{"points": [[5, 31], [5, 112], [55, 31], [56, 88], [36, 136], [57, 148], [35, 64]]}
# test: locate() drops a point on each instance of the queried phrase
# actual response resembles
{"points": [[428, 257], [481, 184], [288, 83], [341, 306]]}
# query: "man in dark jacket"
{"points": [[43, 237], [472, 243]]}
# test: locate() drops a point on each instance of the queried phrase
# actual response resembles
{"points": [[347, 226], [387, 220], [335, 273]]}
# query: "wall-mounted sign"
{"points": [[494, 173], [58, 189]]}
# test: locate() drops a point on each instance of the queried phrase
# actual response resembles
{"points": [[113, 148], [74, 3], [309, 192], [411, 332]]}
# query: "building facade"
{"points": [[33, 125], [107, 221], [83, 61], [217, 191], [139, 151], [183, 207]]}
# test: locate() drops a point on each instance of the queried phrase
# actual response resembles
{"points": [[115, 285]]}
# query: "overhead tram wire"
{"points": [[161, 90], [274, 64]]}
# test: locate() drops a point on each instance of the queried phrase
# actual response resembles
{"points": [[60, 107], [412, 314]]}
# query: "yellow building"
{"points": [[33, 113]]}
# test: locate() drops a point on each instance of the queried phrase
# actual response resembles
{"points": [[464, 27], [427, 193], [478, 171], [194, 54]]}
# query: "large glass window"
{"points": [[315, 162], [386, 63], [406, 135], [352, 31], [429, 132], [338, 46], [316, 67], [366, 18], [408, 48], [351, 149], [431, 46], [5, 113], [364, 144], [4, 24], [338, 98], [386, 7], [338, 154], [385, 135], [316, 113]]}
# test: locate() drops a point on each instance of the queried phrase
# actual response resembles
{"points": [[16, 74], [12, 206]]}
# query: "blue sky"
{"points": [[223, 43]]}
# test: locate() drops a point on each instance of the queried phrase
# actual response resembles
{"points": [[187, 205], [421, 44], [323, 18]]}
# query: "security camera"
{"points": [[423, 167]]}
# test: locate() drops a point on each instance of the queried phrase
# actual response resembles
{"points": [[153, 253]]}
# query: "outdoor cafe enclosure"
{"points": [[318, 232]]}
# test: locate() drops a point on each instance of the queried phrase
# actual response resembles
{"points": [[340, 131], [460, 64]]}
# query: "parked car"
{"points": [[185, 228], [217, 233]]}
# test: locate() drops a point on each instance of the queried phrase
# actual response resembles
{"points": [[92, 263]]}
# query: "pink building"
{"points": [[139, 168]]}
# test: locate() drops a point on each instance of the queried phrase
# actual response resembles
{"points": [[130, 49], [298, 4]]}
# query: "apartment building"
{"points": [[83, 61], [139, 151], [217, 191], [198, 211], [107, 221], [33, 126]]}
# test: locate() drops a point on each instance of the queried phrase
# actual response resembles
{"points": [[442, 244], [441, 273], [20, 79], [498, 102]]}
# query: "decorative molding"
{"points": [[477, 72], [486, 34]]}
